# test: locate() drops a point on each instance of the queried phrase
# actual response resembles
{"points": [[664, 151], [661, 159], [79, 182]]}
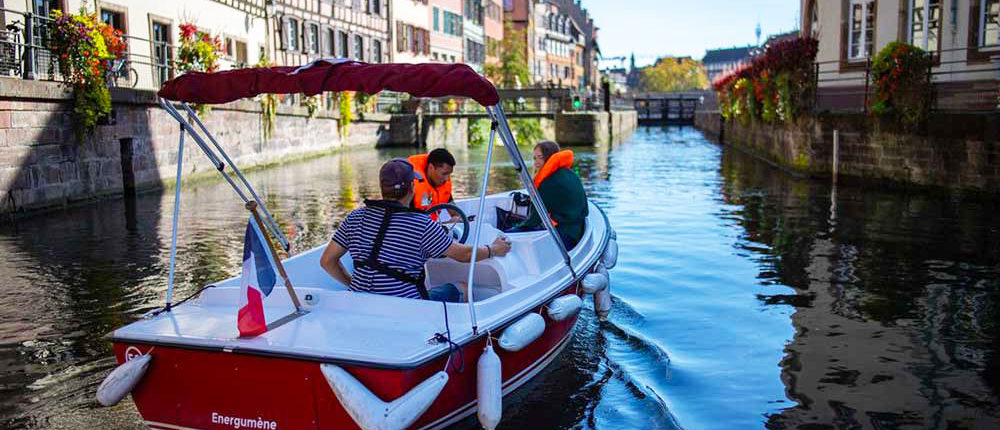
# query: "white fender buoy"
{"points": [[602, 303], [610, 256], [564, 307], [370, 412], [522, 332], [489, 389], [120, 381], [595, 281]]}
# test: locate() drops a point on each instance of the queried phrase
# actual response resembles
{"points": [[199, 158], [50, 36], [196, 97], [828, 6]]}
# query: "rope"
{"points": [[171, 306], [452, 346]]}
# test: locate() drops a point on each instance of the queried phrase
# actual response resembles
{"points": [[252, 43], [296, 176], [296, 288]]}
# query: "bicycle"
{"points": [[119, 70]]}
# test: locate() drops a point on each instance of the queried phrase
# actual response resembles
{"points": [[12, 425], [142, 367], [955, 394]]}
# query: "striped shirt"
{"points": [[411, 239]]}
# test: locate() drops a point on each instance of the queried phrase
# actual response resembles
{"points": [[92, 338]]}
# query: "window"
{"points": [[115, 19], [376, 51], [925, 24], [436, 26], [241, 53], [229, 47], [291, 34], [989, 23], [475, 52], [861, 30], [163, 56], [359, 48], [312, 38], [331, 43], [814, 20], [452, 23], [342, 42]]}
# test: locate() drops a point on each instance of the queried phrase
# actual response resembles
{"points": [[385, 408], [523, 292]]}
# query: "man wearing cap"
{"points": [[402, 238]]}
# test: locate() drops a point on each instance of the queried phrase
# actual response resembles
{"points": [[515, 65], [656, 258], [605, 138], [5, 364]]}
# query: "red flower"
{"points": [[188, 30]]}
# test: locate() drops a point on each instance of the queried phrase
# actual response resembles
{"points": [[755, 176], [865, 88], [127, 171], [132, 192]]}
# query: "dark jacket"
{"points": [[564, 198]]}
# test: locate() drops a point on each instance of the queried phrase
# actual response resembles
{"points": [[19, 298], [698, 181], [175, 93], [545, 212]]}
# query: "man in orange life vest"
{"points": [[433, 185]]}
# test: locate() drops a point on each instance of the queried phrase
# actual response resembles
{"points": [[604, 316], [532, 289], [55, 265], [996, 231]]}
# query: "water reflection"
{"points": [[741, 301], [896, 299]]}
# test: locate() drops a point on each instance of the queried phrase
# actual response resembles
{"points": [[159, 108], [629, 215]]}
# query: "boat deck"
{"points": [[349, 327]]}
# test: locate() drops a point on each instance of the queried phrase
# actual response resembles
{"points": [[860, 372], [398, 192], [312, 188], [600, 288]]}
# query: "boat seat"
{"points": [[489, 274]]}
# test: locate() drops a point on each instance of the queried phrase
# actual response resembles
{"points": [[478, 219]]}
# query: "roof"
{"points": [[727, 55], [794, 34], [329, 74]]}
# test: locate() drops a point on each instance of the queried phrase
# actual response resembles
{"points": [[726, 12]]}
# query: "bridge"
{"points": [[667, 108]]}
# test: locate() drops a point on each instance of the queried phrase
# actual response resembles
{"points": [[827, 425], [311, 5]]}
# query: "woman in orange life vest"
{"points": [[561, 191], [433, 185]]}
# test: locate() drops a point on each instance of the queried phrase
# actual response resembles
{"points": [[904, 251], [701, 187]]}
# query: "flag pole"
{"points": [[252, 207]]}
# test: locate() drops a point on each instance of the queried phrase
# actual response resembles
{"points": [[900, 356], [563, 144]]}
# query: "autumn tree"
{"points": [[674, 74], [512, 69]]}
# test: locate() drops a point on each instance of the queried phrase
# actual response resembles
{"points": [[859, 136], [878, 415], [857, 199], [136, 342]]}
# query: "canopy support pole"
{"points": [[221, 167], [479, 228], [177, 211], [267, 214], [507, 137]]}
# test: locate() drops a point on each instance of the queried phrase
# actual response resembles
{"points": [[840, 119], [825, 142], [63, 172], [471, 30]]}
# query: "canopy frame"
{"points": [[499, 127]]}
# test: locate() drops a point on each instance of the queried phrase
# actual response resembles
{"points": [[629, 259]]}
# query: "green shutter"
{"points": [[436, 28]]}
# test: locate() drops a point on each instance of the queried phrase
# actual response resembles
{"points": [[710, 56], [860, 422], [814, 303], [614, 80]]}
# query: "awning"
{"points": [[419, 80]]}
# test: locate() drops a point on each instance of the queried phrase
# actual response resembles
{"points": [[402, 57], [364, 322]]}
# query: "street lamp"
{"points": [[268, 13]]}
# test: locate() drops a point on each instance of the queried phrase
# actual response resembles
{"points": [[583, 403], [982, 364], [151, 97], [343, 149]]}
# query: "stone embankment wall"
{"points": [[956, 150], [590, 128], [44, 164]]}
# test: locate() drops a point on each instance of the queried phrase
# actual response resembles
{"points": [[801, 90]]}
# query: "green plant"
{"points": [[311, 104], [512, 70], [268, 103], [364, 102], [527, 130], [774, 86], [479, 131], [786, 106], [901, 84], [344, 99], [199, 52], [85, 48]]}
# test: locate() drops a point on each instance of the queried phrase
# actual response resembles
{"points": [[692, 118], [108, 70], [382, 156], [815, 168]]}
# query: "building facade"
{"points": [[412, 31], [719, 62], [153, 29], [447, 24], [962, 35], [308, 29], [473, 34], [561, 42], [493, 30]]}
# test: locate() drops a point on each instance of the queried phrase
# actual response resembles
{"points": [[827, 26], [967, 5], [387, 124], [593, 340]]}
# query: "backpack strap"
{"points": [[373, 263]]}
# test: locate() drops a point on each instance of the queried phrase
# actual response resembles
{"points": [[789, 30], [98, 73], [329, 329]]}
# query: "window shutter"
{"points": [[399, 36], [282, 39]]}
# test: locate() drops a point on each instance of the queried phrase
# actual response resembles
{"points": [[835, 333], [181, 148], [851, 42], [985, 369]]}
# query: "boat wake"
{"points": [[631, 366]]}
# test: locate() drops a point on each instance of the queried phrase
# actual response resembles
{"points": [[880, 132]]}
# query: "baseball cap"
{"points": [[397, 173]]}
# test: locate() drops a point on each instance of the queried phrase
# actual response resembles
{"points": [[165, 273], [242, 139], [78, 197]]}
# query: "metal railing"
{"points": [[25, 52], [848, 86]]}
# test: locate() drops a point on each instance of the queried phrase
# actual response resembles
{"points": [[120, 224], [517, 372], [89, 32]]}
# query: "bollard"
{"points": [[836, 154]]}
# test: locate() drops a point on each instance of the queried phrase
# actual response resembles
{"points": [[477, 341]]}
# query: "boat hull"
{"points": [[188, 388]]}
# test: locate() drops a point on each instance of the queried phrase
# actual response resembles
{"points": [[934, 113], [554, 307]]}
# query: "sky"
{"points": [[655, 28]]}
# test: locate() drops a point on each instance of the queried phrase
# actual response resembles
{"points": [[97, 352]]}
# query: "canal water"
{"points": [[744, 298]]}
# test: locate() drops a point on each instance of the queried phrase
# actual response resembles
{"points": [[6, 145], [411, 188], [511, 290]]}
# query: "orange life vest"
{"points": [[426, 195], [560, 160]]}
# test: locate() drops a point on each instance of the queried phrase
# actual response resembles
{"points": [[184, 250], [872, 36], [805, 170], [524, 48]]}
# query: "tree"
{"points": [[512, 69], [674, 74]]}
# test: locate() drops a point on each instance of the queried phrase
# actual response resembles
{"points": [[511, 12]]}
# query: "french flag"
{"points": [[257, 282]]}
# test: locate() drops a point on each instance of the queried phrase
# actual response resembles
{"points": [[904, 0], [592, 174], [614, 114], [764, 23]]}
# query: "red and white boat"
{"points": [[340, 359]]}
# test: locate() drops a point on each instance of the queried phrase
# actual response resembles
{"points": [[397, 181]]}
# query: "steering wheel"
{"points": [[449, 225]]}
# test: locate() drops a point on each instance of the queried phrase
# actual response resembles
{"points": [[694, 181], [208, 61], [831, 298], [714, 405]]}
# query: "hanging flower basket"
{"points": [[85, 48]]}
